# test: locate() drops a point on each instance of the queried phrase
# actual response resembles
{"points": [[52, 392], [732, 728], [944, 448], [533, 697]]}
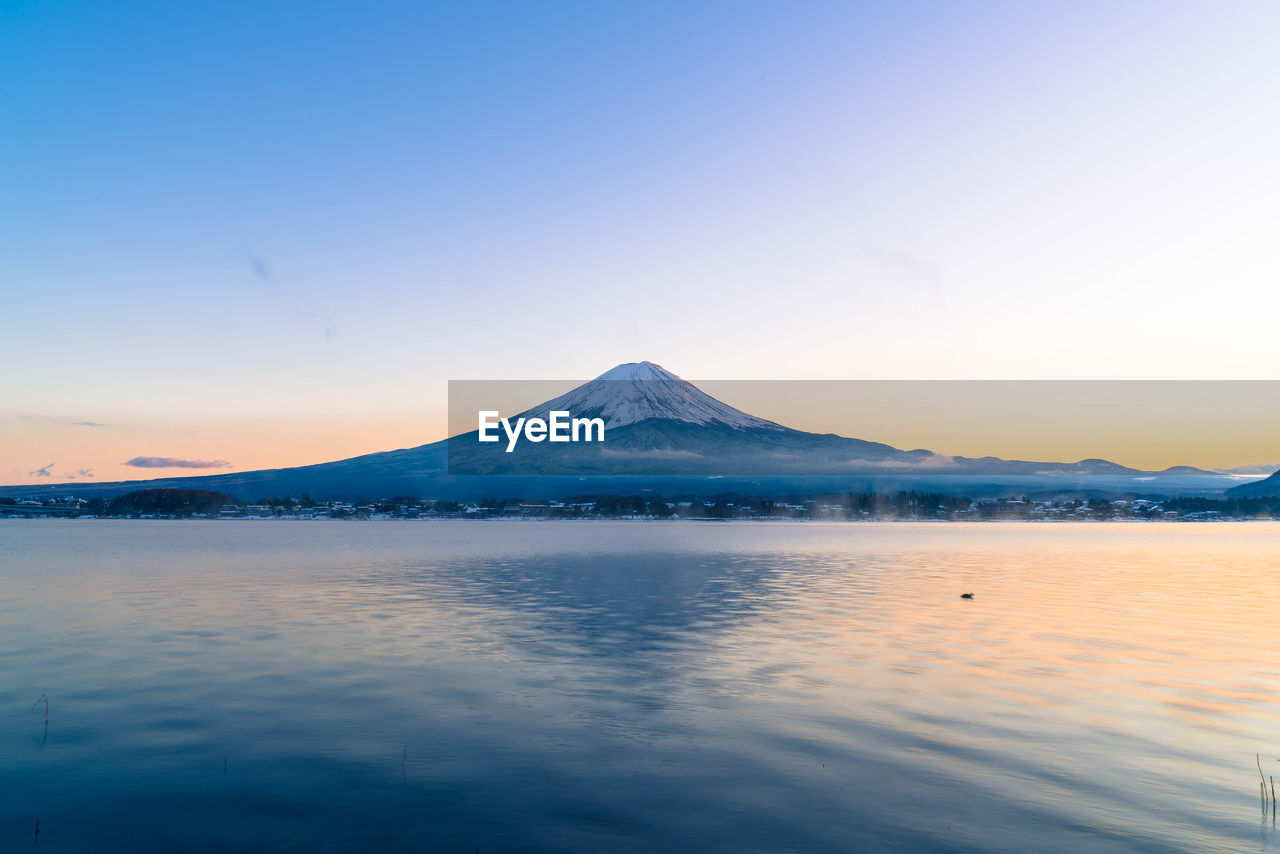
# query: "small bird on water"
{"points": [[966, 595]]}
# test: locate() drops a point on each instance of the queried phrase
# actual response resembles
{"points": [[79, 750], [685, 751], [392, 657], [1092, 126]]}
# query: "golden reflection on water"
{"points": [[1097, 666]]}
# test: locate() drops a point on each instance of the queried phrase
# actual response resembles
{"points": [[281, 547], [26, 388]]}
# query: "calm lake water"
{"points": [[598, 686]]}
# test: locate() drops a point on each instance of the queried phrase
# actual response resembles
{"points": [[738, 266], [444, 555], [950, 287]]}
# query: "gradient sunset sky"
{"points": [[262, 234]]}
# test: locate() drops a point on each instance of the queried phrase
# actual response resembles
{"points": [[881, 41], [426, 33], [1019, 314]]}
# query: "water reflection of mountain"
{"points": [[642, 610]]}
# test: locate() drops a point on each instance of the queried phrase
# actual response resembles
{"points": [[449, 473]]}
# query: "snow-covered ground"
{"points": [[638, 391]]}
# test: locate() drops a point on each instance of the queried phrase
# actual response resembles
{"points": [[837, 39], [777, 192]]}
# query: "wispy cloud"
{"points": [[1250, 468], [50, 419], [73, 475], [174, 463], [44, 472], [289, 295], [260, 268]]}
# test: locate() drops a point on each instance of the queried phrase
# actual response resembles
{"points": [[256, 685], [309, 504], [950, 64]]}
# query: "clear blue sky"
{"points": [[222, 223]]}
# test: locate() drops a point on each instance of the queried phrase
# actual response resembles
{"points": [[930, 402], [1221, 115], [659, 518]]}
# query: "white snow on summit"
{"points": [[638, 391]]}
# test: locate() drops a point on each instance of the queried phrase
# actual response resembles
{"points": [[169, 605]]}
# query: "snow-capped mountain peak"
{"points": [[639, 371], [637, 391]]}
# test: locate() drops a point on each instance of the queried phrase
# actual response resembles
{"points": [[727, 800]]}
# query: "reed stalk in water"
{"points": [[1262, 786], [45, 699]]}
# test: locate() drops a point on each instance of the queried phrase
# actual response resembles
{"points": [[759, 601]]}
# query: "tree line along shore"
{"points": [[853, 506]]}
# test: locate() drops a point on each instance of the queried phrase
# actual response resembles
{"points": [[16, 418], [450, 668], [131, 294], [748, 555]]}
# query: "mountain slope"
{"points": [[658, 423], [1265, 488]]}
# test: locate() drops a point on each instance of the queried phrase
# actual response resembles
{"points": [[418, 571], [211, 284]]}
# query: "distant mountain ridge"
{"points": [[657, 425]]}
